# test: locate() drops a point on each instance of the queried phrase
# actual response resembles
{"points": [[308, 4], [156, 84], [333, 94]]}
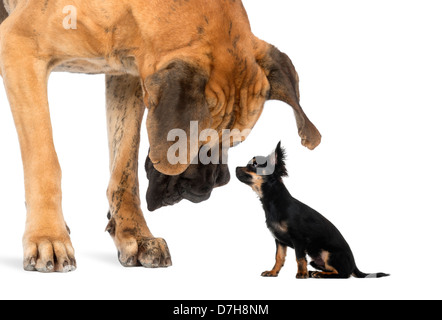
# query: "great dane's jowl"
{"points": [[183, 60]]}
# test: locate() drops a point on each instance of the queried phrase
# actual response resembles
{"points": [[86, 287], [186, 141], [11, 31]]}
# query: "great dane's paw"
{"points": [[146, 252], [269, 274], [48, 253], [135, 249], [154, 253]]}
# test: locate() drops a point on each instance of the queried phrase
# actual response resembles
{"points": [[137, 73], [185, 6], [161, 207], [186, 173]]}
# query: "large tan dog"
{"points": [[186, 60]]}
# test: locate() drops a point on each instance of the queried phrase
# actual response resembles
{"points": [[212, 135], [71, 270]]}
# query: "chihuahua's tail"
{"points": [[358, 274]]}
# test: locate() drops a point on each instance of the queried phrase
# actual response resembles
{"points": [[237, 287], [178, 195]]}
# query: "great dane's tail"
{"points": [[3, 12]]}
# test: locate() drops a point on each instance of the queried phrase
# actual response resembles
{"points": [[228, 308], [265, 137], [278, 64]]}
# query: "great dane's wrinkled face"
{"points": [[191, 106]]}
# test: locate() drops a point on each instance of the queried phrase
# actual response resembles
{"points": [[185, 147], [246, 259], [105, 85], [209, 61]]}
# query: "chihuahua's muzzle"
{"points": [[243, 176]]}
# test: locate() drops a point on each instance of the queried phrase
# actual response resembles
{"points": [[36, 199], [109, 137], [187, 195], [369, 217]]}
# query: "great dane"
{"points": [[184, 60]]}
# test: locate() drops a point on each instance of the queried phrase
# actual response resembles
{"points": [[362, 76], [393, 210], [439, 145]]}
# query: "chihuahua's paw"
{"points": [[269, 274], [302, 275]]}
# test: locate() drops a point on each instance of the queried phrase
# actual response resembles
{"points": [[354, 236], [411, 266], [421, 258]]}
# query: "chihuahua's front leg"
{"points": [[281, 253], [301, 259]]}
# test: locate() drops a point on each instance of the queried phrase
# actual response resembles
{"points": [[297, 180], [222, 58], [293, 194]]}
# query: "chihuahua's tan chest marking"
{"points": [[278, 230]]}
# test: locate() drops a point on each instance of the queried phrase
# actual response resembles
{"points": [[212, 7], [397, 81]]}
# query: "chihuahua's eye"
{"points": [[255, 164]]}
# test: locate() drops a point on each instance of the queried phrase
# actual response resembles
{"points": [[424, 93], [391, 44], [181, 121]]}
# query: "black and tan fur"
{"points": [[184, 60], [296, 225]]}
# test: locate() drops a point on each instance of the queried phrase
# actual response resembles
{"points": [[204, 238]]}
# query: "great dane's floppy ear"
{"points": [[175, 98], [284, 86]]}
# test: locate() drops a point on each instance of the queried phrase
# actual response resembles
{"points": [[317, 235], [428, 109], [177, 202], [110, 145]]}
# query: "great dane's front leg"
{"points": [[135, 243], [46, 241]]}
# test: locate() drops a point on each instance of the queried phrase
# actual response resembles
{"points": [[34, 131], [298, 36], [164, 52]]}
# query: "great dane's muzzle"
{"points": [[195, 184]]}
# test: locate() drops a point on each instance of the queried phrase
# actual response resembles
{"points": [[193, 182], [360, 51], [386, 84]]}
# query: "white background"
{"points": [[371, 80]]}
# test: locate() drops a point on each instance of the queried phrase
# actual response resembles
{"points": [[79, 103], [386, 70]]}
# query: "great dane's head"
{"points": [[201, 106]]}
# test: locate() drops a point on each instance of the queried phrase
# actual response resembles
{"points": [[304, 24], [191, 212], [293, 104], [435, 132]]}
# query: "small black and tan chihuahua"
{"points": [[295, 225]]}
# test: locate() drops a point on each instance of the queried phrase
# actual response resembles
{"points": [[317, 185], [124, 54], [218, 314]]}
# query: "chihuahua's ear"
{"points": [[284, 86], [175, 97], [277, 161], [280, 154]]}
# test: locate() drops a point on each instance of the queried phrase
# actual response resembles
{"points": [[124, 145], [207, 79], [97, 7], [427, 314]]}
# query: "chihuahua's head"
{"points": [[261, 170]]}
